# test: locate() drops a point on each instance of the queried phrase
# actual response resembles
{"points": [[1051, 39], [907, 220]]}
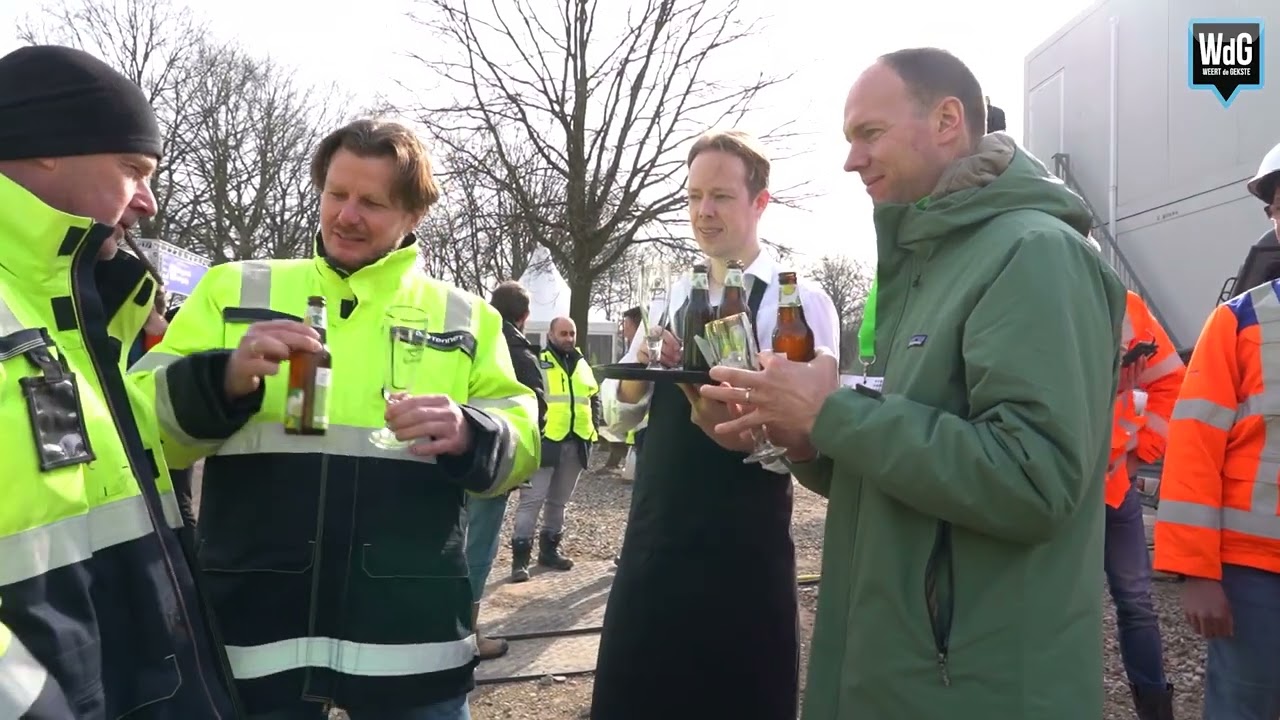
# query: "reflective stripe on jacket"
{"points": [[335, 567], [99, 614], [1218, 492], [1143, 435], [568, 398]]}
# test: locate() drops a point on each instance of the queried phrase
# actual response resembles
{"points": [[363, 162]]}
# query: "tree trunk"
{"points": [[580, 309]]}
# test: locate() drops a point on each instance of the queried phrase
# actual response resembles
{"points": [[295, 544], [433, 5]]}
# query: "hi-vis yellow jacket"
{"points": [[572, 397], [99, 614], [335, 568]]}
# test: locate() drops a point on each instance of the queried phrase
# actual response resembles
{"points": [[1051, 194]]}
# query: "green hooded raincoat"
{"points": [[962, 565]]}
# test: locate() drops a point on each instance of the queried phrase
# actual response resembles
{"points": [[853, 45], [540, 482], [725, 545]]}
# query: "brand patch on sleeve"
{"points": [[453, 340], [917, 340]]}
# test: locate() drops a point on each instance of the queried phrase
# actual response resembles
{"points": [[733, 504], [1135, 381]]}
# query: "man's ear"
{"points": [[762, 200]]}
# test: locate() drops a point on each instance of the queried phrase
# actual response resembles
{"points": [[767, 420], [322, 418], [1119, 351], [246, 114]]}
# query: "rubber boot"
{"points": [[549, 552], [486, 648], [1153, 705], [521, 553]]}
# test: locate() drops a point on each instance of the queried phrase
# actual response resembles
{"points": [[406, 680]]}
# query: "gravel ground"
{"points": [[597, 517]]}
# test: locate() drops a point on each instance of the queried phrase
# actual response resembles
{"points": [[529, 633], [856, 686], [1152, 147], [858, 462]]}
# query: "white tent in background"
{"points": [[549, 299]]}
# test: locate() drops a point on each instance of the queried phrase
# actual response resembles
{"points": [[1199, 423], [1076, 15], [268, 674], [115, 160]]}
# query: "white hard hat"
{"points": [[1270, 166]]}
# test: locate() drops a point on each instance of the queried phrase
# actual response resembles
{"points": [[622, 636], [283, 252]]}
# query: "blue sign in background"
{"points": [[180, 269], [180, 276]]}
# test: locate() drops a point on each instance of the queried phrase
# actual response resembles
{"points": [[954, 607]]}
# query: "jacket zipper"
{"points": [[315, 563], [158, 524], [566, 382], [939, 597], [897, 323]]}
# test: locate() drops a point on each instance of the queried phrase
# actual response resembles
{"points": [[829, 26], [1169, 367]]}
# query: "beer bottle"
{"points": [[307, 403], [696, 316], [735, 292], [792, 336]]}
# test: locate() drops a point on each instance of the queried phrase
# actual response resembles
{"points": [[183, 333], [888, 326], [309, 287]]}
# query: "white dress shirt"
{"points": [[819, 312]]}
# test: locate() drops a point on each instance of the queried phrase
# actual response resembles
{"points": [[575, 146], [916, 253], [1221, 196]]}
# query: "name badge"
{"points": [[873, 382]]}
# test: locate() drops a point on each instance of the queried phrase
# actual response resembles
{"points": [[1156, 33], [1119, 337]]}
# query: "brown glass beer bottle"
{"points": [[696, 316], [310, 374], [735, 292], [792, 336]]}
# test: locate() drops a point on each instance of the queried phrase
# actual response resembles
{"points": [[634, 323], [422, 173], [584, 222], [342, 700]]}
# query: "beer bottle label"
{"points": [[733, 278], [293, 409], [699, 281], [787, 295], [316, 316], [320, 407]]}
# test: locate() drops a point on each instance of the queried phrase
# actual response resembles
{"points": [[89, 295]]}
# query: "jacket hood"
{"points": [[1000, 176]]}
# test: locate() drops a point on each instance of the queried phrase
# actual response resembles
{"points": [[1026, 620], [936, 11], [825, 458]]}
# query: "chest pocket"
{"points": [[51, 394], [446, 363], [236, 322]]}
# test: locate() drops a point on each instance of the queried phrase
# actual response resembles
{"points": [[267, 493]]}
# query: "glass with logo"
{"points": [[404, 337], [655, 328]]}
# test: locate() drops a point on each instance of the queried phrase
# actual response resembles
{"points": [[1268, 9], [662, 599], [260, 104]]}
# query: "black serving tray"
{"points": [[637, 371]]}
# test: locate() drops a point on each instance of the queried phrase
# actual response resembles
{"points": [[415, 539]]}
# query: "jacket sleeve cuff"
{"points": [[200, 404], [477, 468]]}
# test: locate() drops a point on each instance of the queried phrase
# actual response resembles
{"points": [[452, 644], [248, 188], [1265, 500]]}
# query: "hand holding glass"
{"points": [[404, 332], [732, 340]]}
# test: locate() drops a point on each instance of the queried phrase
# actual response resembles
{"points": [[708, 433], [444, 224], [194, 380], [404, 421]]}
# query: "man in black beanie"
{"points": [[100, 616]]}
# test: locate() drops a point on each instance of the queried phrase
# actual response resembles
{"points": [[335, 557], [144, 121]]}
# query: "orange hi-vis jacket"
{"points": [[1142, 434], [1218, 492]]}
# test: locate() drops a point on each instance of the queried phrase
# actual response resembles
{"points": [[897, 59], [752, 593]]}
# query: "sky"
{"points": [[825, 43]]}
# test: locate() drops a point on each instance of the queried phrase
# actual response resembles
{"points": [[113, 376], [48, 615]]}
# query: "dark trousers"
{"points": [[1128, 568]]}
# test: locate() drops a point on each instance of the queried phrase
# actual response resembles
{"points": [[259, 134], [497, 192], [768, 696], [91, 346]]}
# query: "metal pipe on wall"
{"points": [[1113, 190]]}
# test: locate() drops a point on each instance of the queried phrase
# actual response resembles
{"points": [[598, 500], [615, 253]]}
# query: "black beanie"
{"points": [[61, 102]]}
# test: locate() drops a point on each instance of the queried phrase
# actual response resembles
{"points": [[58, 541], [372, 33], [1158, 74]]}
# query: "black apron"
{"points": [[701, 621]]}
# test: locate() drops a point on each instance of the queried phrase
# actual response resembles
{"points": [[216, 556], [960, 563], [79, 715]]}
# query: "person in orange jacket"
{"points": [[1218, 524], [1150, 377]]}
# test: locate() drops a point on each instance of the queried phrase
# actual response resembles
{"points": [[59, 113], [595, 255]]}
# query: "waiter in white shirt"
{"points": [[702, 620]]}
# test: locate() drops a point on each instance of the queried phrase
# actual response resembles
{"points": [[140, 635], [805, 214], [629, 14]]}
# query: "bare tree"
{"points": [[848, 283], [247, 188], [477, 236], [234, 181], [607, 116], [151, 43]]}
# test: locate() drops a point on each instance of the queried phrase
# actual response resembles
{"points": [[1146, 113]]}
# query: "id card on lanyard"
{"points": [[867, 346]]}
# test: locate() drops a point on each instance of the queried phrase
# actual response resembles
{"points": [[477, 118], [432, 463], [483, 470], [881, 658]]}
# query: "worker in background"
{"points": [[995, 117], [100, 616], [573, 415], [485, 514], [337, 568], [1218, 525], [1150, 376], [632, 318]]}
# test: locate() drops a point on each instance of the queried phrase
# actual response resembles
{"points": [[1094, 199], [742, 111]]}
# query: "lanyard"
{"points": [[867, 333]]}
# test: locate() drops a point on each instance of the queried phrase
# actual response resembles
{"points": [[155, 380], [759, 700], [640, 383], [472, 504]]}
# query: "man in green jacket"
{"points": [[962, 566]]}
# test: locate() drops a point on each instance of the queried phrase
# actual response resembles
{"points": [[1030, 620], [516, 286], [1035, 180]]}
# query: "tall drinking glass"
{"points": [[404, 333], [655, 328], [732, 340]]}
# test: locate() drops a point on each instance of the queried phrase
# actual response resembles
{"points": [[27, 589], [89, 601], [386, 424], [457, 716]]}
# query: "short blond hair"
{"points": [[741, 145], [414, 187]]}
